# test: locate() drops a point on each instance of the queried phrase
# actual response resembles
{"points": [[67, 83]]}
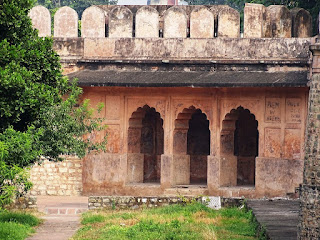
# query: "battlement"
{"points": [[111, 21]]}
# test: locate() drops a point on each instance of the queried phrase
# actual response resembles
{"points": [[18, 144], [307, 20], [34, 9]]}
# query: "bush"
{"points": [[16, 226]]}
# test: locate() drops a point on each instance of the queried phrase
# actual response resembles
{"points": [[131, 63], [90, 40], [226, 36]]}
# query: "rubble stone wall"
{"points": [[57, 178]]}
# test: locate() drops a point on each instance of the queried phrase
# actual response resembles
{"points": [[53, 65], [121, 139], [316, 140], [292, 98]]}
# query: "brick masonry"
{"points": [[57, 178]]}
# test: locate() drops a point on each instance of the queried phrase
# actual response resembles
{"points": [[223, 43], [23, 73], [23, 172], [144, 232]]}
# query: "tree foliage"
{"points": [[39, 110], [78, 5]]}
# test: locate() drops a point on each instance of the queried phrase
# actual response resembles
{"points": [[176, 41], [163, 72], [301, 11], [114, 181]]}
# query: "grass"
{"points": [[192, 221], [17, 225]]}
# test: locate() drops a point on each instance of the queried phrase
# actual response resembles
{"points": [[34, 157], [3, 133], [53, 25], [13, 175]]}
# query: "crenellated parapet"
{"points": [[111, 21]]}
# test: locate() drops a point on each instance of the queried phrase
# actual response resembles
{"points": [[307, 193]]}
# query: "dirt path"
{"points": [[62, 217]]}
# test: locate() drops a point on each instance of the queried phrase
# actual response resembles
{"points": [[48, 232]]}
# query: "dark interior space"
{"points": [[246, 137], [152, 139], [198, 147]]}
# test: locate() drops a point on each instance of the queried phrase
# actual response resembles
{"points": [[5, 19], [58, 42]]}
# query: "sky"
{"points": [[132, 2]]}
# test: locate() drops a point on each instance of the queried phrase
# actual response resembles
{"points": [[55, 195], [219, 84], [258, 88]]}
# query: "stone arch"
{"points": [[239, 144], [191, 147], [145, 145], [66, 22]]}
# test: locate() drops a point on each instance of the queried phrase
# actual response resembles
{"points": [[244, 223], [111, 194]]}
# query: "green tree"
{"points": [[39, 110], [78, 5]]}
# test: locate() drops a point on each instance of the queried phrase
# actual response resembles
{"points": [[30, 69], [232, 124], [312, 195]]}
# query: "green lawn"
{"points": [[17, 225], [193, 221]]}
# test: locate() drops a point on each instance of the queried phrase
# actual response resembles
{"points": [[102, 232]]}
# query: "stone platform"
{"points": [[279, 217]]}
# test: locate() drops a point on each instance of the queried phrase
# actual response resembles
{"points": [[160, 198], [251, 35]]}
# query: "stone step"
{"points": [[186, 191], [64, 210]]}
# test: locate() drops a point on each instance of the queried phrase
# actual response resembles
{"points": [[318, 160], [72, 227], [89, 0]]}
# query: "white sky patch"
{"points": [[132, 2]]}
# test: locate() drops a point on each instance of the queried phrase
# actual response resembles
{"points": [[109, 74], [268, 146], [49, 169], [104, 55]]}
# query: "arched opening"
{"points": [[191, 147], [239, 148], [198, 147], [145, 146]]}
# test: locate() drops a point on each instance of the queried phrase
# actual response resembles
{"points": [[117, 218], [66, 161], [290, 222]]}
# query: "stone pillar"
{"points": [[213, 174], [310, 189]]}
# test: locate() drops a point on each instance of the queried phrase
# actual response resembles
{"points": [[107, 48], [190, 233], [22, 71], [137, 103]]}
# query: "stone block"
{"points": [[301, 23], [41, 20], [147, 23], [135, 167], [166, 170], [228, 170], [228, 22], [175, 23], [120, 22], [181, 169], [276, 177], [213, 172], [63, 170], [180, 141], [254, 17], [280, 21], [66, 23], [201, 23], [52, 192], [93, 23]]}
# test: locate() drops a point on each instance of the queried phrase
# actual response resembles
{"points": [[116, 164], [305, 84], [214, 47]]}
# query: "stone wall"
{"points": [[26, 202], [174, 22], [310, 189], [57, 178], [124, 202]]}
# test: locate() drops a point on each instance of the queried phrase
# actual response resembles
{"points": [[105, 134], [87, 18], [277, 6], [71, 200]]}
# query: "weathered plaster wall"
{"points": [[57, 178], [280, 113], [181, 49]]}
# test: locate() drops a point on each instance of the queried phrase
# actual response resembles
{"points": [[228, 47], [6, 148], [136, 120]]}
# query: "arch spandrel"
{"points": [[204, 105], [254, 106], [158, 105]]}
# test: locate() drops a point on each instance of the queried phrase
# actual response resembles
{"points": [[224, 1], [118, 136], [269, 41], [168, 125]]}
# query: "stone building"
{"points": [[191, 107]]}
